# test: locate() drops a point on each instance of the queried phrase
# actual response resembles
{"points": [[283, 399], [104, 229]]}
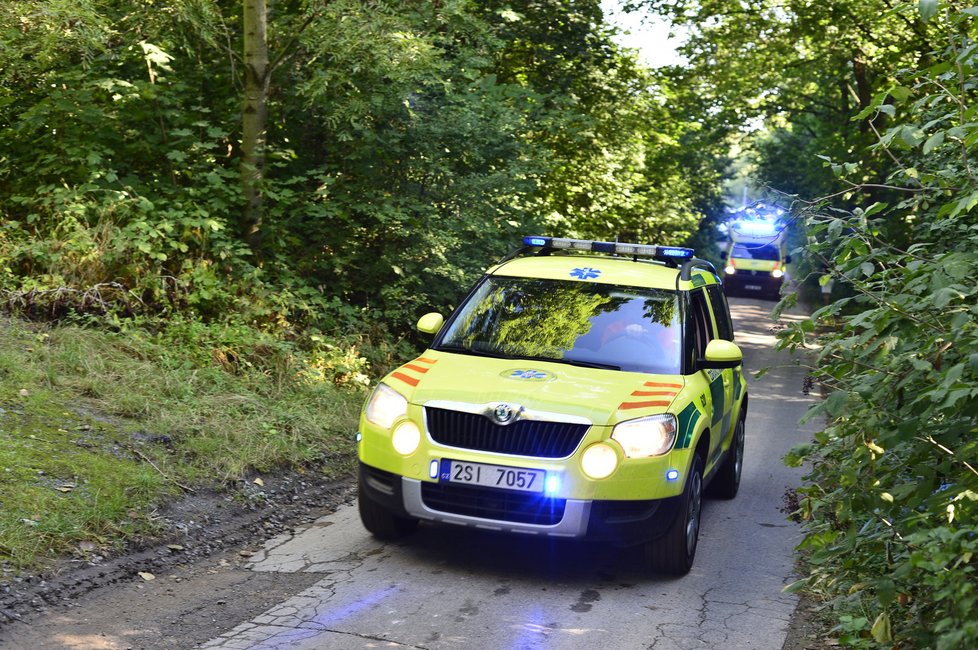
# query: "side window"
{"points": [[700, 325], [721, 312]]}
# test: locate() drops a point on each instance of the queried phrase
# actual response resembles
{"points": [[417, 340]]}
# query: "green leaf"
{"points": [[881, 629], [795, 586], [933, 142], [900, 93], [797, 454], [927, 9]]}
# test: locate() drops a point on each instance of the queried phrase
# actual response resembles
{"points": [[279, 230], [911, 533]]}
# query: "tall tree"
{"points": [[257, 78]]}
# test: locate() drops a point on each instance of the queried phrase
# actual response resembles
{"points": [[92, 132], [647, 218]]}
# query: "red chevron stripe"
{"points": [[640, 405], [405, 378]]}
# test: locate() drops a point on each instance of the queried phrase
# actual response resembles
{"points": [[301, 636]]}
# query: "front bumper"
{"points": [[619, 522]]}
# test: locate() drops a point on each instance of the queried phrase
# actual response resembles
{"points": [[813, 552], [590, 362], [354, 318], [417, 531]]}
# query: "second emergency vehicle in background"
{"points": [[755, 258]]}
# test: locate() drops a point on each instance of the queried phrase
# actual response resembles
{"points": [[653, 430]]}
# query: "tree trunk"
{"points": [[255, 115]]}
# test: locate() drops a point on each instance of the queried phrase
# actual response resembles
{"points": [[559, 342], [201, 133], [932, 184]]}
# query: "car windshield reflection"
{"points": [[579, 323]]}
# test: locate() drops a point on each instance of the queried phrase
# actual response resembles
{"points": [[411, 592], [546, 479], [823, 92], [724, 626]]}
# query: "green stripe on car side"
{"points": [[687, 424], [716, 393]]}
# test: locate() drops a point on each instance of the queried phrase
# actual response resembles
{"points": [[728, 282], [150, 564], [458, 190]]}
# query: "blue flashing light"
{"points": [[433, 469], [535, 241], [603, 247], [757, 228], [675, 251], [552, 484], [672, 475], [359, 436]]}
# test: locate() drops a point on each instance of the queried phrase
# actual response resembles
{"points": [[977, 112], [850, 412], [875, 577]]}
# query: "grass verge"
{"points": [[98, 430]]}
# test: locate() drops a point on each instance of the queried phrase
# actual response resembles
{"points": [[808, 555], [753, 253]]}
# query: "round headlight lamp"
{"points": [[406, 438], [599, 461]]}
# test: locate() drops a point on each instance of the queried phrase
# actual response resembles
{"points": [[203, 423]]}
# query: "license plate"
{"points": [[753, 287], [495, 476]]}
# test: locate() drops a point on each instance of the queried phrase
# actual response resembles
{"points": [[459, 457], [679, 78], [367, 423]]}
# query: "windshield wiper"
{"points": [[575, 362], [461, 349]]}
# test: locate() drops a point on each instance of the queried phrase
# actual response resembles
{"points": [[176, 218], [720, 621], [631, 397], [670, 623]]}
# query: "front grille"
{"points": [[490, 503], [523, 438]]}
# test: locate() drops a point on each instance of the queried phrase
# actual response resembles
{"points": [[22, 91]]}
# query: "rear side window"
{"points": [[721, 312], [700, 326]]}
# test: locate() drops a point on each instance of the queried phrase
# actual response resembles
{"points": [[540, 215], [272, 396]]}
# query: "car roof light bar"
{"points": [[674, 254]]}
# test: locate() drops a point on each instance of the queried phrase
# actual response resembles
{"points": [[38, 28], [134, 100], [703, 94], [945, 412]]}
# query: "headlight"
{"points": [[406, 438], [777, 273], [729, 269], [599, 461], [644, 437], [385, 406]]}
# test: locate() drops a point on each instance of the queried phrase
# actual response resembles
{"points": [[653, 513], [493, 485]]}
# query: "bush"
{"points": [[891, 519]]}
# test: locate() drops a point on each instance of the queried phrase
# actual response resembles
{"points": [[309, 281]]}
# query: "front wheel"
{"points": [[673, 553], [727, 481], [381, 522]]}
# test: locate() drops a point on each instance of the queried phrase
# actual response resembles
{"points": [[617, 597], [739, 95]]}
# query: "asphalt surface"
{"points": [[448, 588]]}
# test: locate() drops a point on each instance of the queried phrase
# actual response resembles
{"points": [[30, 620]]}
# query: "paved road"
{"points": [[447, 588]]}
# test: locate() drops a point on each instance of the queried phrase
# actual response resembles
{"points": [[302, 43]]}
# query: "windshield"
{"points": [[767, 252], [599, 325]]}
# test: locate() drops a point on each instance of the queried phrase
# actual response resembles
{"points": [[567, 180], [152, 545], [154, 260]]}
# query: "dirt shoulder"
{"points": [[182, 589]]}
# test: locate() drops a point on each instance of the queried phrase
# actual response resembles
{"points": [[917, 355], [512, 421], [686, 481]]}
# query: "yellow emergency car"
{"points": [[756, 260], [583, 389]]}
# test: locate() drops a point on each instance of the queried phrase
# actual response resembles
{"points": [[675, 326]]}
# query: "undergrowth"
{"points": [[98, 429]]}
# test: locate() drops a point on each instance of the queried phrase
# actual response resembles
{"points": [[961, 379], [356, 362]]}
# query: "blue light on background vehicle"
{"points": [[534, 241], [552, 484], [672, 475]]}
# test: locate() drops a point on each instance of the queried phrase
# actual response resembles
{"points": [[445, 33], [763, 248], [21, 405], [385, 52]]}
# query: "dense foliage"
{"points": [[892, 504], [870, 104], [408, 146]]}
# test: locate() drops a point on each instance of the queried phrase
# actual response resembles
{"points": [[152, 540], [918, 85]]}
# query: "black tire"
{"points": [[381, 522], [726, 483], [673, 553]]}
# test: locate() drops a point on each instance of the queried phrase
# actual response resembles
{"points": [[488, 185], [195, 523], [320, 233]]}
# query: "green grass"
{"points": [[98, 430]]}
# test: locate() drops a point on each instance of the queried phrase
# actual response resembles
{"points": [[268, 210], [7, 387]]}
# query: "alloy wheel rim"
{"points": [[693, 520], [739, 451]]}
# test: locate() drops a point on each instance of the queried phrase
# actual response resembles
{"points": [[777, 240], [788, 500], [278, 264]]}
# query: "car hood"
{"points": [[603, 397]]}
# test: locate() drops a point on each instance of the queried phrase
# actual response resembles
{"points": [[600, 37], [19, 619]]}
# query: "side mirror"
{"points": [[430, 323], [721, 354], [723, 255], [787, 259]]}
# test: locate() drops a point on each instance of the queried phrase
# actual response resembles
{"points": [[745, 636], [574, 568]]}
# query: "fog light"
{"points": [[552, 485], [406, 438], [599, 461]]}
